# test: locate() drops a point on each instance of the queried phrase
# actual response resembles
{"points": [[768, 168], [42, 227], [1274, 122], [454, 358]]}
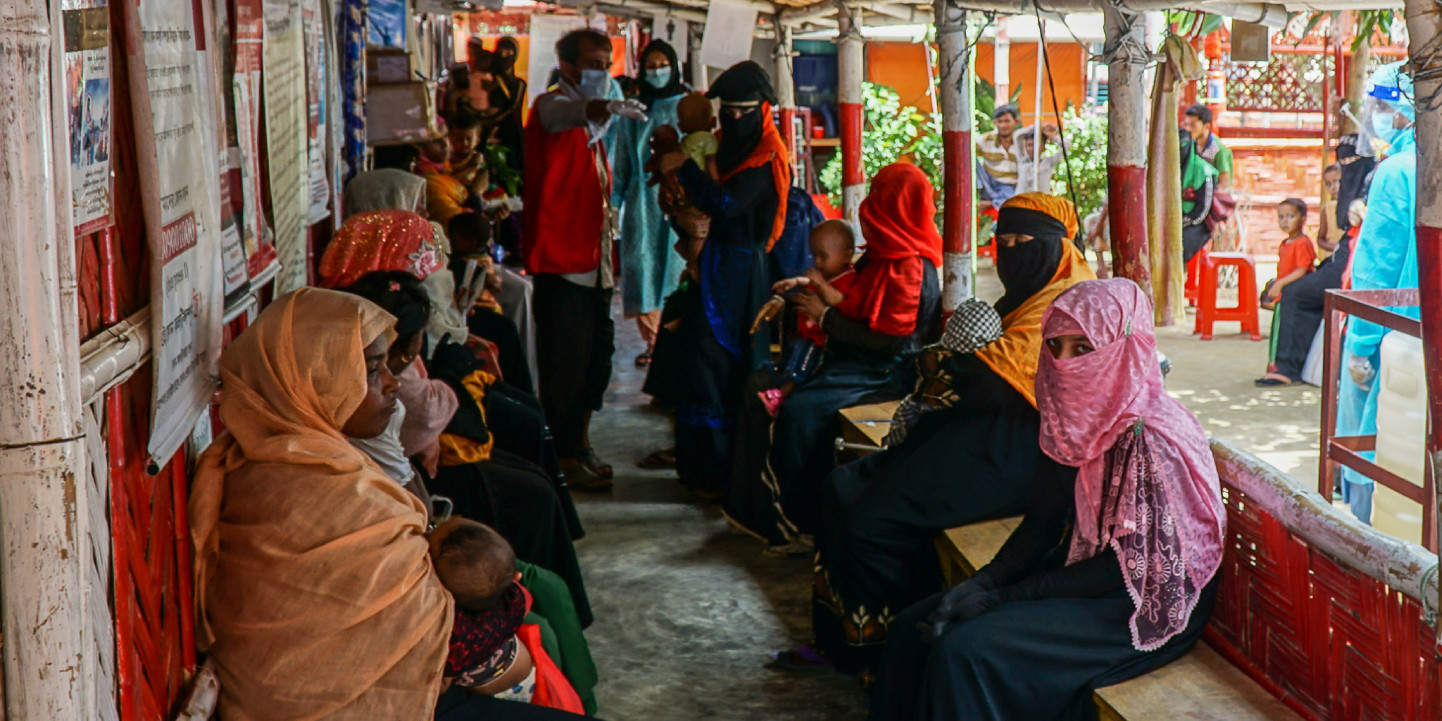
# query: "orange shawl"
{"points": [[314, 589], [1014, 356], [772, 150]]}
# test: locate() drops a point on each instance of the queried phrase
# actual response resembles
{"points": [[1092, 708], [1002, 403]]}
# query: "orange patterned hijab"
{"points": [[314, 589]]}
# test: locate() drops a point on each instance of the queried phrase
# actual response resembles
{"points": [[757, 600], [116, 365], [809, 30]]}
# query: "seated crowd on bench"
{"points": [[332, 584]]}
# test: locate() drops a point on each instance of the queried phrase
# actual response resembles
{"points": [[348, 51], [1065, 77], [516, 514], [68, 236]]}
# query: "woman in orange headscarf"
{"points": [[972, 461], [314, 591], [891, 306]]}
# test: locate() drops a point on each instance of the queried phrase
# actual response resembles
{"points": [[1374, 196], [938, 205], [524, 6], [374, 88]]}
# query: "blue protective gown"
{"points": [[650, 266], [1385, 257]]}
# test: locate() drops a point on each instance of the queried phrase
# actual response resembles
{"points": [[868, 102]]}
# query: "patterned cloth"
{"points": [[483, 644], [1146, 483], [353, 84], [973, 326]]}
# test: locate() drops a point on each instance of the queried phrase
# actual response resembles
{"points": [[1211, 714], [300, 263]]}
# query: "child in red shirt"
{"points": [[1295, 258]]}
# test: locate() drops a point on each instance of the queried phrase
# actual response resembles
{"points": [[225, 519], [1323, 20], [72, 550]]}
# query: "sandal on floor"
{"points": [[1273, 380], [801, 658], [580, 478], [594, 463], [643, 360], [659, 460]]}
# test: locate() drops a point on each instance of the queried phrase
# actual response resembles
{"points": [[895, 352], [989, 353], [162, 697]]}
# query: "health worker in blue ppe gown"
{"points": [[1385, 257], [650, 268]]}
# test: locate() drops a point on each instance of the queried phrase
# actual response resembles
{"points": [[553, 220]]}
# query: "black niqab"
{"points": [[502, 65], [1024, 269], [741, 83], [648, 93], [1354, 178]]}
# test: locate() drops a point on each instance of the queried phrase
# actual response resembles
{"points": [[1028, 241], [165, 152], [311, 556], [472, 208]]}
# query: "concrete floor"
{"points": [[687, 610]]}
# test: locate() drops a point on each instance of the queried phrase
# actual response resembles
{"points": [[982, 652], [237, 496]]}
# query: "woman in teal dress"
{"points": [[650, 268]]}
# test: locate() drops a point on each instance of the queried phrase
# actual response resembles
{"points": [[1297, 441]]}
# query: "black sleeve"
{"points": [[1095, 576], [1043, 528], [1203, 204], [856, 333], [740, 195]]}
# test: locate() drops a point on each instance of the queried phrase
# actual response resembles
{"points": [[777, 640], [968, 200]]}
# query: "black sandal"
{"points": [[1273, 380], [594, 463]]}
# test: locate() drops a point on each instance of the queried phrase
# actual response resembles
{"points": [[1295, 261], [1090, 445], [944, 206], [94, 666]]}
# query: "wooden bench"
{"points": [[1201, 686]]}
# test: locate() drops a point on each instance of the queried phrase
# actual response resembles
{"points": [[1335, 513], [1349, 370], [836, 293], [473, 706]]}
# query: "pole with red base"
{"points": [[958, 191], [1127, 146], [851, 51], [785, 86], [1424, 26]]}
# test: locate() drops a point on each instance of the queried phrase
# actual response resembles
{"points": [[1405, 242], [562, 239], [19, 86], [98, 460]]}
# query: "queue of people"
{"points": [[391, 502]]}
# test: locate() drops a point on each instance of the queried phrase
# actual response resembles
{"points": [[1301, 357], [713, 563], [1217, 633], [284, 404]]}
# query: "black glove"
{"points": [[963, 602]]}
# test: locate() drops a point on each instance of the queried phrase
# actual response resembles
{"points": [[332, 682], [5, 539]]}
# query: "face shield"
{"points": [[1387, 110]]}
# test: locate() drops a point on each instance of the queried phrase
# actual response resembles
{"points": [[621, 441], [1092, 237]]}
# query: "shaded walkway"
{"points": [[686, 610]]}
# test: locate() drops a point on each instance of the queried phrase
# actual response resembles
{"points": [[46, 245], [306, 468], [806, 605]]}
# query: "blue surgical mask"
{"points": [[1382, 125], [594, 84], [659, 77]]}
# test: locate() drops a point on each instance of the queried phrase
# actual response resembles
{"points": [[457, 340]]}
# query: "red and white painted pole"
{"points": [[1127, 146], [1424, 26], [958, 189], [851, 62], [785, 85]]}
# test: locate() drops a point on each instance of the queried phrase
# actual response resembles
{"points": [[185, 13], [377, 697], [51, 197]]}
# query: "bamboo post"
{"points": [[958, 190], [785, 88], [851, 51], [1127, 147], [1424, 26], [44, 518]]}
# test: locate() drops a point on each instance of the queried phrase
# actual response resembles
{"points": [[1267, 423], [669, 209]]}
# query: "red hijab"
{"points": [[380, 240], [898, 223]]}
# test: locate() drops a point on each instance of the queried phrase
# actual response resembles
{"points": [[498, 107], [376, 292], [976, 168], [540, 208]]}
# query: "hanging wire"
{"points": [[1051, 83], [1427, 66]]}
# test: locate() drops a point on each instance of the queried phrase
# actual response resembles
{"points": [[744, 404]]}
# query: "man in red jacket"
{"points": [[568, 235]]}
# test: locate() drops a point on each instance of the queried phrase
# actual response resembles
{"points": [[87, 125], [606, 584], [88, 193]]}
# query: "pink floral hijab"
{"points": [[1147, 484]]}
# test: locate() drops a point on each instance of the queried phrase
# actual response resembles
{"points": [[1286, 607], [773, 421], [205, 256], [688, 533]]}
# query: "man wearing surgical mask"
{"points": [[568, 231], [1385, 257]]}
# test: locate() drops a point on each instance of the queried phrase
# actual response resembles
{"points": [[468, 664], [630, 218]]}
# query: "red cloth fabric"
{"points": [[1146, 482], [1296, 253], [562, 195], [810, 329], [380, 240], [552, 688], [898, 221], [772, 149]]}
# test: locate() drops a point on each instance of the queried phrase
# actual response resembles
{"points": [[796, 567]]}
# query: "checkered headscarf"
{"points": [[973, 326]]}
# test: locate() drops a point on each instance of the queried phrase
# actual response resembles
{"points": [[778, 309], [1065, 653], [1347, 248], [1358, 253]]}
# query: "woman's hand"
{"points": [[768, 313], [810, 305], [963, 602], [790, 284]]}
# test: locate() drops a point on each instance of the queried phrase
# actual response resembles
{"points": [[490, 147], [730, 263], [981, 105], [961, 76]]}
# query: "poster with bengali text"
{"points": [[87, 98], [249, 40], [286, 122], [316, 109], [172, 141]]}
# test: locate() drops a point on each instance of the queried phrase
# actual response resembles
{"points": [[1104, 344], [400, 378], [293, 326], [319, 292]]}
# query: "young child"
{"points": [[478, 567], [1294, 259], [1032, 175], [833, 244], [695, 118], [1329, 233], [973, 326]]}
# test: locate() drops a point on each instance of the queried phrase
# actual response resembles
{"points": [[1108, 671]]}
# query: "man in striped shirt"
{"points": [[996, 159]]}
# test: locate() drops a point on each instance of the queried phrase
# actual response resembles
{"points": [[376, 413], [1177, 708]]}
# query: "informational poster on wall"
{"points": [[171, 142], [730, 28], [87, 95], [286, 138], [545, 31], [317, 107], [249, 40]]}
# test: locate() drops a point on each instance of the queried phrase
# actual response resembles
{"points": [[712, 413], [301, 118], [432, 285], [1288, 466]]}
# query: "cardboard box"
{"points": [[388, 66], [401, 113]]}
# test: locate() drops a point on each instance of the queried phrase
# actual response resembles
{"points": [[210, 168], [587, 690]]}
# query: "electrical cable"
{"points": [[1055, 111]]}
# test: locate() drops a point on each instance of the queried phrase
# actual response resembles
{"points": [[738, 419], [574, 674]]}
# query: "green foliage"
{"points": [[1369, 23], [502, 175], [891, 131], [1086, 143]]}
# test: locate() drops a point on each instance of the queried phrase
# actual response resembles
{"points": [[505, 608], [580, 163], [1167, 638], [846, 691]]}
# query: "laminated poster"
{"points": [[87, 98], [287, 144], [172, 140], [316, 107], [254, 233]]}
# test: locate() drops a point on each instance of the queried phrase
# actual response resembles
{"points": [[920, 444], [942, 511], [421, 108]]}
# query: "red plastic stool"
{"points": [[1248, 303], [1193, 266], [987, 251]]}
